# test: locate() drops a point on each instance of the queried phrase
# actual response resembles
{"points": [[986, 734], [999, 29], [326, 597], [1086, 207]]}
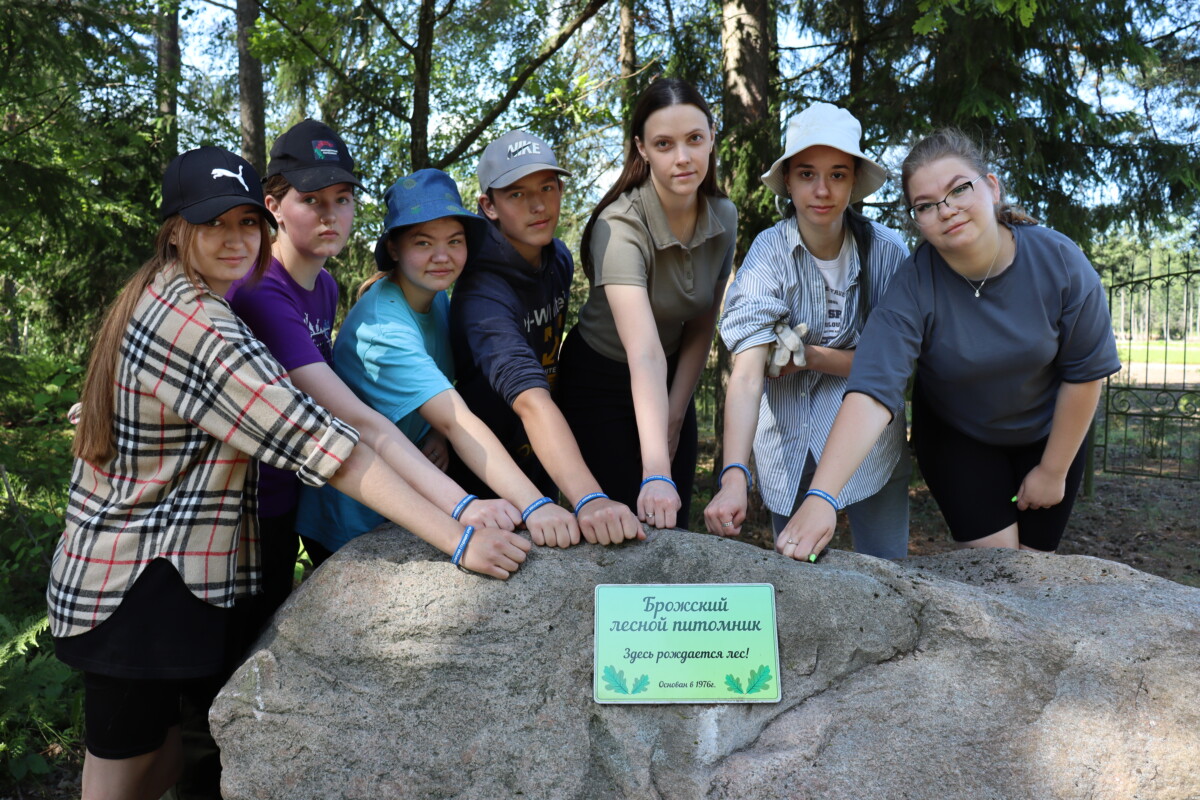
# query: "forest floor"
{"points": [[1151, 524]]}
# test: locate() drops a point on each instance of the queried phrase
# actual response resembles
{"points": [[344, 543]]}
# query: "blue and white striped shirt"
{"points": [[779, 280]]}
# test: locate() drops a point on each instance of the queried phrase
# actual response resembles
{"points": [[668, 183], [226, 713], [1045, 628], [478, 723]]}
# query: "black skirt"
{"points": [[596, 397], [160, 630]]}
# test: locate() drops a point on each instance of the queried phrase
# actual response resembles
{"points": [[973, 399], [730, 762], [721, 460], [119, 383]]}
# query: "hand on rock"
{"points": [[553, 526], [491, 514], [495, 552], [604, 521]]}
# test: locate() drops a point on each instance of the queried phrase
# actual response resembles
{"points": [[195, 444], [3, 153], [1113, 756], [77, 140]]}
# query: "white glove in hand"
{"points": [[788, 346]]}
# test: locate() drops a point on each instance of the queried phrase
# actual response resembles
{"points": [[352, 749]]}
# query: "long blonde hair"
{"points": [[175, 239]]}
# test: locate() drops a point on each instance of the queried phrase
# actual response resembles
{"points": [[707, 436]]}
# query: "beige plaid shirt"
{"points": [[198, 399]]}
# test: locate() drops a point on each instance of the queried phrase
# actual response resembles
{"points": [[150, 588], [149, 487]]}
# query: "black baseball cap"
{"points": [[311, 156], [202, 184]]}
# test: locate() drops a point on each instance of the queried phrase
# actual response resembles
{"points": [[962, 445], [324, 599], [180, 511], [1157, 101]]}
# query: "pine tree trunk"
{"points": [[749, 141], [855, 53], [167, 84], [8, 289], [250, 89], [422, 70], [628, 56]]}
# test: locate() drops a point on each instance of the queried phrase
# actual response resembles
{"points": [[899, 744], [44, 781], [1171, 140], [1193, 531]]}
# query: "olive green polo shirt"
{"points": [[632, 245]]}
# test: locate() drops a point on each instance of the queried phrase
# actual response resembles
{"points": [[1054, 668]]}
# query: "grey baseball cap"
{"points": [[513, 156]]}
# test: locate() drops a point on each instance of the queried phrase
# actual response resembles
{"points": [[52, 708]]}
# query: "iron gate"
{"points": [[1152, 406]]}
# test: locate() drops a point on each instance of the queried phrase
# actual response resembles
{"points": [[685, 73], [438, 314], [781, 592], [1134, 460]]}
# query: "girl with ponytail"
{"points": [[657, 252]]}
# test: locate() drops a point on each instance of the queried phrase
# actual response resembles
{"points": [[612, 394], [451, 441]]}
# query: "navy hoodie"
{"points": [[506, 326]]}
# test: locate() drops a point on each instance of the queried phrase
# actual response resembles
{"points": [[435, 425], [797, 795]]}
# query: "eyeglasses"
{"points": [[958, 197]]}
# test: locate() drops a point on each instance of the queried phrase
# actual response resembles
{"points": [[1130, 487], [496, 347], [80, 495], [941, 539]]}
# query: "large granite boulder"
{"points": [[992, 675]]}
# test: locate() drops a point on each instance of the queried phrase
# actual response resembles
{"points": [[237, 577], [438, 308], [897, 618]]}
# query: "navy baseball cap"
{"points": [[427, 194], [202, 184], [311, 156]]}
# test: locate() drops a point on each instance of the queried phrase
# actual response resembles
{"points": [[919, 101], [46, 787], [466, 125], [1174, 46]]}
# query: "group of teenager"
{"points": [[222, 421]]}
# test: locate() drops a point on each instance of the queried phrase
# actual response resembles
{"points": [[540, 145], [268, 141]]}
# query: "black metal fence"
{"points": [[1151, 408], [1149, 418]]}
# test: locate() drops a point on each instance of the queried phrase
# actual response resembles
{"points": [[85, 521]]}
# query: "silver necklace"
{"points": [[988, 274]]}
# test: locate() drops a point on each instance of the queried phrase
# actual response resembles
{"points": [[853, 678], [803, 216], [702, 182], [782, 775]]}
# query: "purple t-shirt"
{"points": [[296, 325]]}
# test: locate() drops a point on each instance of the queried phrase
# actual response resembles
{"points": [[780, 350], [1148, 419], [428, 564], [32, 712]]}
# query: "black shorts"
{"points": [[974, 483], [161, 644], [128, 717]]}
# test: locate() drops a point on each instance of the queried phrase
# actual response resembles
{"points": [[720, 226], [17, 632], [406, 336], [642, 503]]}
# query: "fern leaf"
{"points": [[759, 679], [734, 684], [640, 684], [18, 639], [614, 680]]}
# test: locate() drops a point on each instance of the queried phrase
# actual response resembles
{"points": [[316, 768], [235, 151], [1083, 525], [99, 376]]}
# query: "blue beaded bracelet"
{"points": [[666, 478], [462, 546], [743, 468], [462, 506], [587, 498], [534, 506], [826, 496]]}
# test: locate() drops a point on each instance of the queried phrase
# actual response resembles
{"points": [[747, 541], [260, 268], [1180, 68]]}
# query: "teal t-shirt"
{"points": [[395, 360]]}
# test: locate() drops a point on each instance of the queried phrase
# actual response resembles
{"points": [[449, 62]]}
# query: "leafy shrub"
{"points": [[40, 697], [32, 503], [36, 389], [41, 711]]}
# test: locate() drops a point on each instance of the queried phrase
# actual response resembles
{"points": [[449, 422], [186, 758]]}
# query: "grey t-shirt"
{"points": [[632, 244], [991, 365]]}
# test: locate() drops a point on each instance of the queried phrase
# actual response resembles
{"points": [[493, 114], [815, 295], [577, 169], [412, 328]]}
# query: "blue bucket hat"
{"points": [[427, 194]]}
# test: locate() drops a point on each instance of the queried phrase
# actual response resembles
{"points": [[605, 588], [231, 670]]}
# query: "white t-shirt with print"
{"points": [[837, 281]]}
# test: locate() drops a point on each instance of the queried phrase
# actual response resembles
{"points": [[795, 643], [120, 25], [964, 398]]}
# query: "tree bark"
{"points": [[855, 52], [250, 89], [628, 57], [751, 132], [8, 289], [422, 69], [166, 44], [746, 59], [749, 142]]}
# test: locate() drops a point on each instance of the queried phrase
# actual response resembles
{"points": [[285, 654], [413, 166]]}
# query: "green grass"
{"points": [[1159, 352]]}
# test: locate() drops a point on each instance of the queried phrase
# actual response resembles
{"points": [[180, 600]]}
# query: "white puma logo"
{"points": [[224, 173]]}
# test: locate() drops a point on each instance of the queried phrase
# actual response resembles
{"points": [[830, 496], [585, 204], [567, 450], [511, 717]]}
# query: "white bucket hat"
{"points": [[824, 123]]}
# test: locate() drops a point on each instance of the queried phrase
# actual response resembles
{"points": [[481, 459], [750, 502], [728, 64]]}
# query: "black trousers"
{"points": [[596, 397]]}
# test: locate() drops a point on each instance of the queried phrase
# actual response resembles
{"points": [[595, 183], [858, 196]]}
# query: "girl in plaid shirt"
{"points": [[180, 400]]}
